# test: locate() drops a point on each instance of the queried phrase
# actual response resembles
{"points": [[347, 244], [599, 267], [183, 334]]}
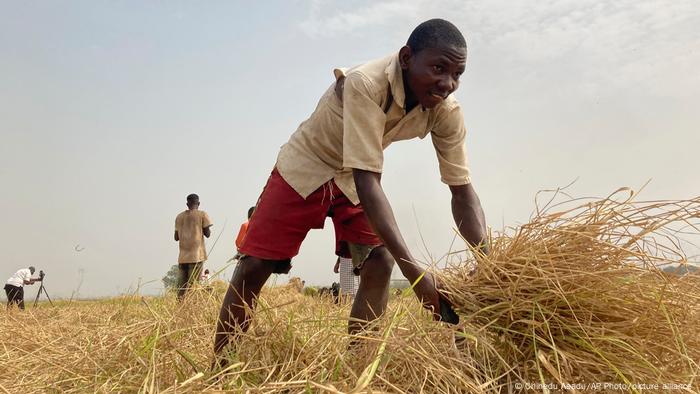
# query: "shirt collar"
{"points": [[395, 76]]}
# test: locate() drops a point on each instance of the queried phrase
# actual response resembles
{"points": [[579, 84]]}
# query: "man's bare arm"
{"points": [[469, 216], [207, 231], [381, 217], [177, 236]]}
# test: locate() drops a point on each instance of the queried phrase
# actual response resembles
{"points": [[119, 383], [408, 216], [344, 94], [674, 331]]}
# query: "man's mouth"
{"points": [[438, 96]]}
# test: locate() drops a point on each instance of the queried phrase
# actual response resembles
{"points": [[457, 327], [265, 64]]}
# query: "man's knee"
{"points": [[378, 266], [252, 270]]}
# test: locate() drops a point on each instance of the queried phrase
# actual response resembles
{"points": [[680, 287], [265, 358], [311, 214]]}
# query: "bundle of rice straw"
{"points": [[575, 300]]}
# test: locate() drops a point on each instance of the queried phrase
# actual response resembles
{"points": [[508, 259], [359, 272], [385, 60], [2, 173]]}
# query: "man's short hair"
{"points": [[250, 211], [192, 198], [435, 33]]}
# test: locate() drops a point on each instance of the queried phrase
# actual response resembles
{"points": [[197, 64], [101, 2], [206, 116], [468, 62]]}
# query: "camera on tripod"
{"points": [[42, 288]]}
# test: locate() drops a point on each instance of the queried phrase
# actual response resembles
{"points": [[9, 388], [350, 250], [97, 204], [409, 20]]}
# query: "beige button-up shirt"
{"points": [[353, 132], [190, 226]]}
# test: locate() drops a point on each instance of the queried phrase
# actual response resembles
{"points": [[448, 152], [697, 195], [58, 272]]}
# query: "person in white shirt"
{"points": [[204, 278], [14, 287]]}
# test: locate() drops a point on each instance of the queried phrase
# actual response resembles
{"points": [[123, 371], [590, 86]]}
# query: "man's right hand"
{"points": [[432, 300], [426, 291]]}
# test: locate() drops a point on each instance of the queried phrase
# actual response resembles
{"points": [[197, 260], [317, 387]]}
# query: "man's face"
{"points": [[432, 74]]}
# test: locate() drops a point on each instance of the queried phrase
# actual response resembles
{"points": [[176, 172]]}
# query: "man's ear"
{"points": [[405, 55]]}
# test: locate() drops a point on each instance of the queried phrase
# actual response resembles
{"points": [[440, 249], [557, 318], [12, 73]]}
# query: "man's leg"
{"points": [[20, 298], [183, 274], [373, 293], [276, 230], [369, 256], [9, 292], [249, 277], [195, 271]]}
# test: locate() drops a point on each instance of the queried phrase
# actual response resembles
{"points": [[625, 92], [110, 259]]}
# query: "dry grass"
{"points": [[571, 297], [577, 296]]}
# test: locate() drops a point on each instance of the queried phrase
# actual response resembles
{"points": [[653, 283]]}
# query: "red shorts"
{"points": [[282, 218]]}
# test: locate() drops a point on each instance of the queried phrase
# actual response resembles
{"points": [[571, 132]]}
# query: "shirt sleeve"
{"points": [[206, 222], [449, 139], [26, 275], [363, 124]]}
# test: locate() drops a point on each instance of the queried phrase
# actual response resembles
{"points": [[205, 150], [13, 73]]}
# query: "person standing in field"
{"points": [[242, 232], [349, 282], [334, 161], [191, 226], [14, 287], [204, 278]]}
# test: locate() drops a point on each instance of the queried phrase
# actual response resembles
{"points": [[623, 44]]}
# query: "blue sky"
{"points": [[112, 112]]}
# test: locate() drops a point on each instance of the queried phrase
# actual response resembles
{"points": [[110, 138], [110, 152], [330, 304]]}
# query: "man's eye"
{"points": [[438, 69]]}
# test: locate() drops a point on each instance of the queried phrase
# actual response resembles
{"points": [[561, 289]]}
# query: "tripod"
{"points": [[42, 288]]}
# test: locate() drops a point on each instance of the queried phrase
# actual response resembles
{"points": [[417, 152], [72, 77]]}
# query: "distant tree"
{"points": [[170, 278], [681, 270]]}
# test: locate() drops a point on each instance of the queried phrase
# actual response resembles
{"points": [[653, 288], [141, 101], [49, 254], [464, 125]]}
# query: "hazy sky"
{"points": [[112, 112]]}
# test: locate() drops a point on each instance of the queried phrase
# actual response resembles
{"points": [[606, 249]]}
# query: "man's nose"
{"points": [[447, 84]]}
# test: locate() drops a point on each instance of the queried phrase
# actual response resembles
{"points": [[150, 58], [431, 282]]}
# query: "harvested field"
{"points": [[572, 299]]}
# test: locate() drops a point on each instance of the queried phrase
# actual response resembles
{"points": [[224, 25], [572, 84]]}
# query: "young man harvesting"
{"points": [[191, 226], [334, 161]]}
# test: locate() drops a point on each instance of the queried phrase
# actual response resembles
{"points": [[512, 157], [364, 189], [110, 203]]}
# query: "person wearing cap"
{"points": [[191, 226], [14, 287]]}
